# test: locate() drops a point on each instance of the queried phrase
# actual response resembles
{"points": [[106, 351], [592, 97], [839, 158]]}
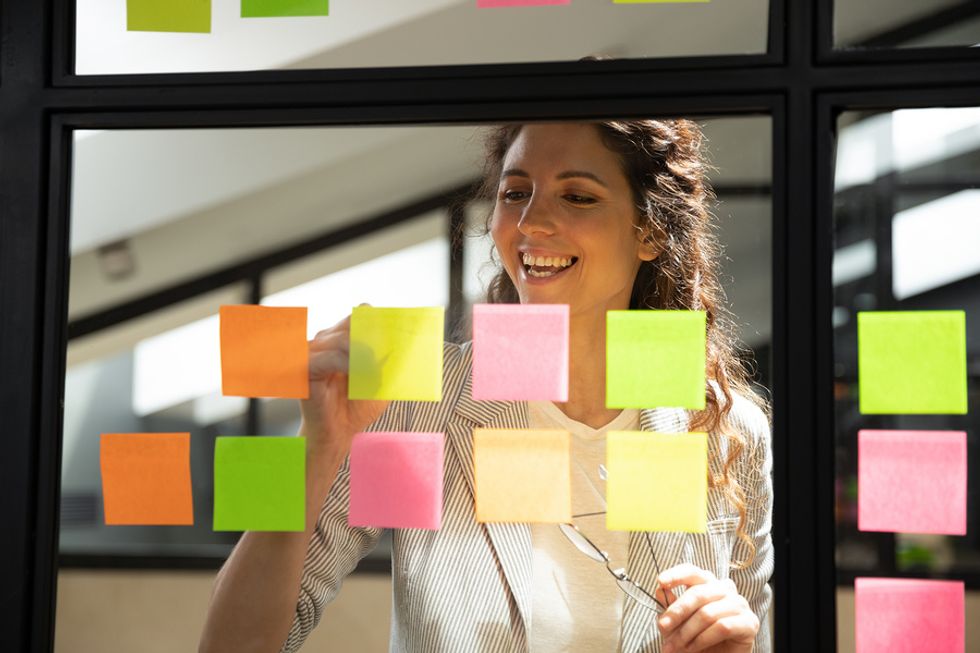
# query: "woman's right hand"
{"points": [[330, 419]]}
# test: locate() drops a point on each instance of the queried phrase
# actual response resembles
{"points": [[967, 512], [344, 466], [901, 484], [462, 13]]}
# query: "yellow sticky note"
{"points": [[522, 476], [657, 481], [396, 353]]}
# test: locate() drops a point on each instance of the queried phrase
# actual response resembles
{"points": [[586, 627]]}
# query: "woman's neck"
{"points": [[587, 372]]}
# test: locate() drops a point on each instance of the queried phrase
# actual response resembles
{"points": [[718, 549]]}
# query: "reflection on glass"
{"points": [[906, 229], [385, 33], [906, 23]]}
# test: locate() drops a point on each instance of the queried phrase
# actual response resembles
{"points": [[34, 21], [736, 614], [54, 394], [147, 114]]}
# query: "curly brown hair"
{"points": [[666, 166]]}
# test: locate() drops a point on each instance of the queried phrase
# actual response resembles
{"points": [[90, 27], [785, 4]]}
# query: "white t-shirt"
{"points": [[577, 605]]}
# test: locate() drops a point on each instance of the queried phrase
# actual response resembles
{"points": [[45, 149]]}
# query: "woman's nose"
{"points": [[536, 219]]}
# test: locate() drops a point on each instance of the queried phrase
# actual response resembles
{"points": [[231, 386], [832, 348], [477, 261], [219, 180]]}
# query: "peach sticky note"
{"points": [[396, 353], [900, 615], [655, 358], [146, 479], [396, 480], [912, 481], [264, 352], [522, 475], [520, 352], [656, 481], [912, 362], [486, 4]]}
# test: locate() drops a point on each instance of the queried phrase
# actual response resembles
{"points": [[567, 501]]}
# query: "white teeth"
{"points": [[546, 261]]}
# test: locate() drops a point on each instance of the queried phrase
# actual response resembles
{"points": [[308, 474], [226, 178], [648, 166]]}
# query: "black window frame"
{"points": [[802, 82]]}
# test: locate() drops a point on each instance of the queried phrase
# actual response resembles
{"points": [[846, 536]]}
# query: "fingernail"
{"points": [[665, 622]]}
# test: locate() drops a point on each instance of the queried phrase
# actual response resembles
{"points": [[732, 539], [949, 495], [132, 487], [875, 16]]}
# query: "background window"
{"points": [[906, 23]]}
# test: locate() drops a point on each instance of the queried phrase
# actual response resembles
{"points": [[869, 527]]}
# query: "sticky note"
{"points": [[656, 481], [655, 359], [522, 475], [264, 352], [259, 483], [269, 8], [396, 480], [912, 362], [396, 353], [899, 615], [520, 352], [168, 15], [912, 481], [146, 479], [486, 4]]}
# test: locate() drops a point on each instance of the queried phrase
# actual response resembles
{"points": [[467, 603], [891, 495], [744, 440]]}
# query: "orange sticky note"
{"points": [[522, 476], [264, 352], [146, 479]]}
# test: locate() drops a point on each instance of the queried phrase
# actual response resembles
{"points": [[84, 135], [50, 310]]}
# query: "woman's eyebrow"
{"points": [[568, 174]]}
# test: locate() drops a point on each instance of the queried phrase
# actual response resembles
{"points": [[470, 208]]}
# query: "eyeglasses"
{"points": [[627, 584]]}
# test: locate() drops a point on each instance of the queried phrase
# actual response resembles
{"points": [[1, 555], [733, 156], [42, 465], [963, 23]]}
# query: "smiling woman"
{"points": [[599, 217]]}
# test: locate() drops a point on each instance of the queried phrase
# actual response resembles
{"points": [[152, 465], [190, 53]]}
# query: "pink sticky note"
{"points": [[396, 480], [899, 615], [484, 4], [912, 481], [520, 352]]}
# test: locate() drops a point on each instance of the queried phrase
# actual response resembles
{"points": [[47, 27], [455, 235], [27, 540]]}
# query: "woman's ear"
{"points": [[651, 242], [648, 251]]}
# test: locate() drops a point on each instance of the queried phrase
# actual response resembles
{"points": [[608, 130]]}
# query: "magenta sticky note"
{"points": [[901, 615], [396, 480], [912, 481], [485, 4], [520, 352]]}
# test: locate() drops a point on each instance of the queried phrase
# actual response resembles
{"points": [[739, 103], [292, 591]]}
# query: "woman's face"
{"points": [[564, 220]]}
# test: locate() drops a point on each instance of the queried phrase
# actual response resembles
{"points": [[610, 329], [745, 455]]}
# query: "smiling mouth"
{"points": [[546, 266]]}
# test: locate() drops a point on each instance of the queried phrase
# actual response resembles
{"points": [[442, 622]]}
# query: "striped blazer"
{"points": [[467, 586]]}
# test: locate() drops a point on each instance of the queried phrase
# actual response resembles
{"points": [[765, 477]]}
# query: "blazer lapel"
{"points": [[663, 551], [511, 542]]}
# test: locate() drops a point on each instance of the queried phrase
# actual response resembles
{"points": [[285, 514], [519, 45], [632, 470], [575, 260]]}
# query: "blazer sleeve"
{"points": [[752, 580], [335, 548]]}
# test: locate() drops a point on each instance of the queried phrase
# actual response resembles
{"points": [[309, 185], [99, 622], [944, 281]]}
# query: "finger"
{"points": [[325, 363], [330, 340], [685, 574], [691, 602], [739, 628], [703, 618]]}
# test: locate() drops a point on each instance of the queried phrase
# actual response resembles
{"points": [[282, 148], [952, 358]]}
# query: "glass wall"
{"points": [[421, 33], [906, 23], [906, 230]]}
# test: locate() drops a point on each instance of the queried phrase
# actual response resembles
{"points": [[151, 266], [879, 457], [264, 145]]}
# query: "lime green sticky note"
{"points": [[260, 483], [655, 359], [396, 353], [168, 15], [656, 481], [271, 8], [912, 362]]}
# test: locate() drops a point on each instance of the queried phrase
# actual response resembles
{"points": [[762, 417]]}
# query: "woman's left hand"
{"points": [[709, 616]]}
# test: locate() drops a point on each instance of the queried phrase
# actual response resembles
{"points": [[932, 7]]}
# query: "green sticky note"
{"points": [[260, 483], [656, 481], [655, 359], [912, 362], [396, 353], [272, 8], [168, 15]]}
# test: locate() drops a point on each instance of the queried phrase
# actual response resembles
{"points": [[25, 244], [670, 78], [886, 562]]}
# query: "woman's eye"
{"points": [[580, 199], [512, 195]]}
